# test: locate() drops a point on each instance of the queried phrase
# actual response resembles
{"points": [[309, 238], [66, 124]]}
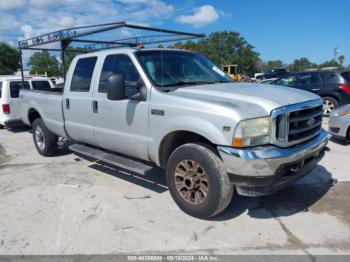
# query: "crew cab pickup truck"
{"points": [[140, 108]]}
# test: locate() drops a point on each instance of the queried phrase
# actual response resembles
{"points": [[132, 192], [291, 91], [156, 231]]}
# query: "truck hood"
{"points": [[249, 99]]}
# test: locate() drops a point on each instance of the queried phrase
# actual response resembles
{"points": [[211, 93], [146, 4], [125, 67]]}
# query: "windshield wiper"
{"points": [[223, 81], [183, 83]]}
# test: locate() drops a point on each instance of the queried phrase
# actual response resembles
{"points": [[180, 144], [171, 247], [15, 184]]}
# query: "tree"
{"points": [[42, 62], [9, 59], [69, 56], [341, 59], [269, 65], [330, 63], [226, 47], [301, 64]]}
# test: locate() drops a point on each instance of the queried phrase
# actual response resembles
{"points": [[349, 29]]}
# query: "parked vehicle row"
{"points": [[9, 96], [136, 108], [332, 86], [274, 73]]}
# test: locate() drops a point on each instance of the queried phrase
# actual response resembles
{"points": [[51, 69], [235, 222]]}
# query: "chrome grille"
{"points": [[298, 123], [304, 123]]}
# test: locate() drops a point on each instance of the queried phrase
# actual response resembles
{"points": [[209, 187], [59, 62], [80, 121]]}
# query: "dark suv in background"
{"points": [[333, 86], [274, 73]]}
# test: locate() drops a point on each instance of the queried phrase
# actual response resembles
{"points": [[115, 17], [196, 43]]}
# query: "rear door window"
{"points": [[41, 85], [83, 71], [15, 86]]}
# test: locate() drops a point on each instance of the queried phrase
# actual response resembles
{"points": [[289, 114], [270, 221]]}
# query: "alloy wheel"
{"points": [[191, 181], [328, 107], [39, 138]]}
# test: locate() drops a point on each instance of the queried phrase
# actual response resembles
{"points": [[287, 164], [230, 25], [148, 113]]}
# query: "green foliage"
{"points": [[226, 47], [69, 55], [341, 59], [301, 64], [42, 62], [9, 59], [330, 63], [269, 65]]}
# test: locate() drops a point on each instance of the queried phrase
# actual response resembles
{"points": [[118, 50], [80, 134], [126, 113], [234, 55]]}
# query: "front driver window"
{"points": [[287, 81], [120, 65]]}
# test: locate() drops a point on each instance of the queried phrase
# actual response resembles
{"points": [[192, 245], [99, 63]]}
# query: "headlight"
{"points": [[342, 113], [252, 132]]}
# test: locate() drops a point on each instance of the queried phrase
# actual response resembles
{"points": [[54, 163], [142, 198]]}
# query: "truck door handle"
{"points": [[94, 106], [67, 103]]}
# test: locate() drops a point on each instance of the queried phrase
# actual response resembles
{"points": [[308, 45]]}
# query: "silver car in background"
{"points": [[339, 122]]}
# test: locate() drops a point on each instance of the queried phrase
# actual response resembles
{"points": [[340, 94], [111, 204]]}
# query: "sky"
{"points": [[278, 29]]}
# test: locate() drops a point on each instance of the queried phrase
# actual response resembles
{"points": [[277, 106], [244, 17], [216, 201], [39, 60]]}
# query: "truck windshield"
{"points": [[180, 68]]}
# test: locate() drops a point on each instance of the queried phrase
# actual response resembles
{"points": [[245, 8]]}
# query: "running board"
{"points": [[113, 159]]}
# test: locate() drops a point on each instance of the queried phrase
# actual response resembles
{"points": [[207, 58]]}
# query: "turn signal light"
{"points": [[237, 142], [6, 108]]}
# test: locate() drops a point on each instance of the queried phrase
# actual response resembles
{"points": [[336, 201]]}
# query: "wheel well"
{"points": [[32, 115], [332, 96], [179, 138]]}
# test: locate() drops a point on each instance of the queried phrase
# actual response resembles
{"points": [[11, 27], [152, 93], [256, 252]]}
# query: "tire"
{"points": [[44, 141], [193, 163], [329, 104], [2, 126]]}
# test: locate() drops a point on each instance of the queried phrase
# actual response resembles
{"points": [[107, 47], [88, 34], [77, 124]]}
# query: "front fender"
{"points": [[214, 133]]}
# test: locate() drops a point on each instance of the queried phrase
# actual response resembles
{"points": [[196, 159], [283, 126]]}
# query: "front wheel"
{"points": [[45, 141], [329, 104], [2, 126], [198, 181]]}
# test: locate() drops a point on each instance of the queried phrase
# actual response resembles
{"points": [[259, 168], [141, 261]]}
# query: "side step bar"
{"points": [[110, 158]]}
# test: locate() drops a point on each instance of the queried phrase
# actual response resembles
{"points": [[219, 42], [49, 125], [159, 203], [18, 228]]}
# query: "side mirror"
{"points": [[141, 89], [116, 88]]}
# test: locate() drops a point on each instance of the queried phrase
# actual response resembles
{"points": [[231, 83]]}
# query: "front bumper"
{"points": [[263, 170], [338, 126]]}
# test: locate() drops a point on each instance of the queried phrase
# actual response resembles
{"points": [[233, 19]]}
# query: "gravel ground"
{"points": [[69, 205]]}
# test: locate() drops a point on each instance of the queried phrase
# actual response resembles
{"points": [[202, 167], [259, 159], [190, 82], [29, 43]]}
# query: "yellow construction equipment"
{"points": [[233, 72]]}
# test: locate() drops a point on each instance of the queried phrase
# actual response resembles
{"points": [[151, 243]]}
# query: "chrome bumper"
{"points": [[267, 160]]}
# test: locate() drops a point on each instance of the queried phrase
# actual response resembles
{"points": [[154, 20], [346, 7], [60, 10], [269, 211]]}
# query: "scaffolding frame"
{"points": [[73, 35]]}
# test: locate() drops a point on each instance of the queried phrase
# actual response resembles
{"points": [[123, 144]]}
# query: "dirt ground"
{"points": [[70, 205]]}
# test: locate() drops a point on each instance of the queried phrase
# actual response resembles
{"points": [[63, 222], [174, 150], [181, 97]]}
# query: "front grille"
{"points": [[298, 124]]}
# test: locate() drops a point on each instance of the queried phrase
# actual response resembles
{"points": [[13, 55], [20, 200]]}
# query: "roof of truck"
{"points": [[121, 50], [19, 78]]}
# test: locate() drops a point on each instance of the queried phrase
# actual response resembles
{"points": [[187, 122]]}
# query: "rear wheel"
{"points": [[198, 181], [2, 126], [45, 141], [329, 104]]}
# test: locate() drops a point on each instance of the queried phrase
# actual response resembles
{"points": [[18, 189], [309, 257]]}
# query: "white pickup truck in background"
{"points": [[10, 113], [136, 108]]}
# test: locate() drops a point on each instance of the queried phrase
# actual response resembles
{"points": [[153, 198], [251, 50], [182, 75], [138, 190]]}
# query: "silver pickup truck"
{"points": [[140, 108]]}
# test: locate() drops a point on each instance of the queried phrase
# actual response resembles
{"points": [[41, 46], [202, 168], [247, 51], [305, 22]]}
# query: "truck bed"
{"points": [[48, 103]]}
